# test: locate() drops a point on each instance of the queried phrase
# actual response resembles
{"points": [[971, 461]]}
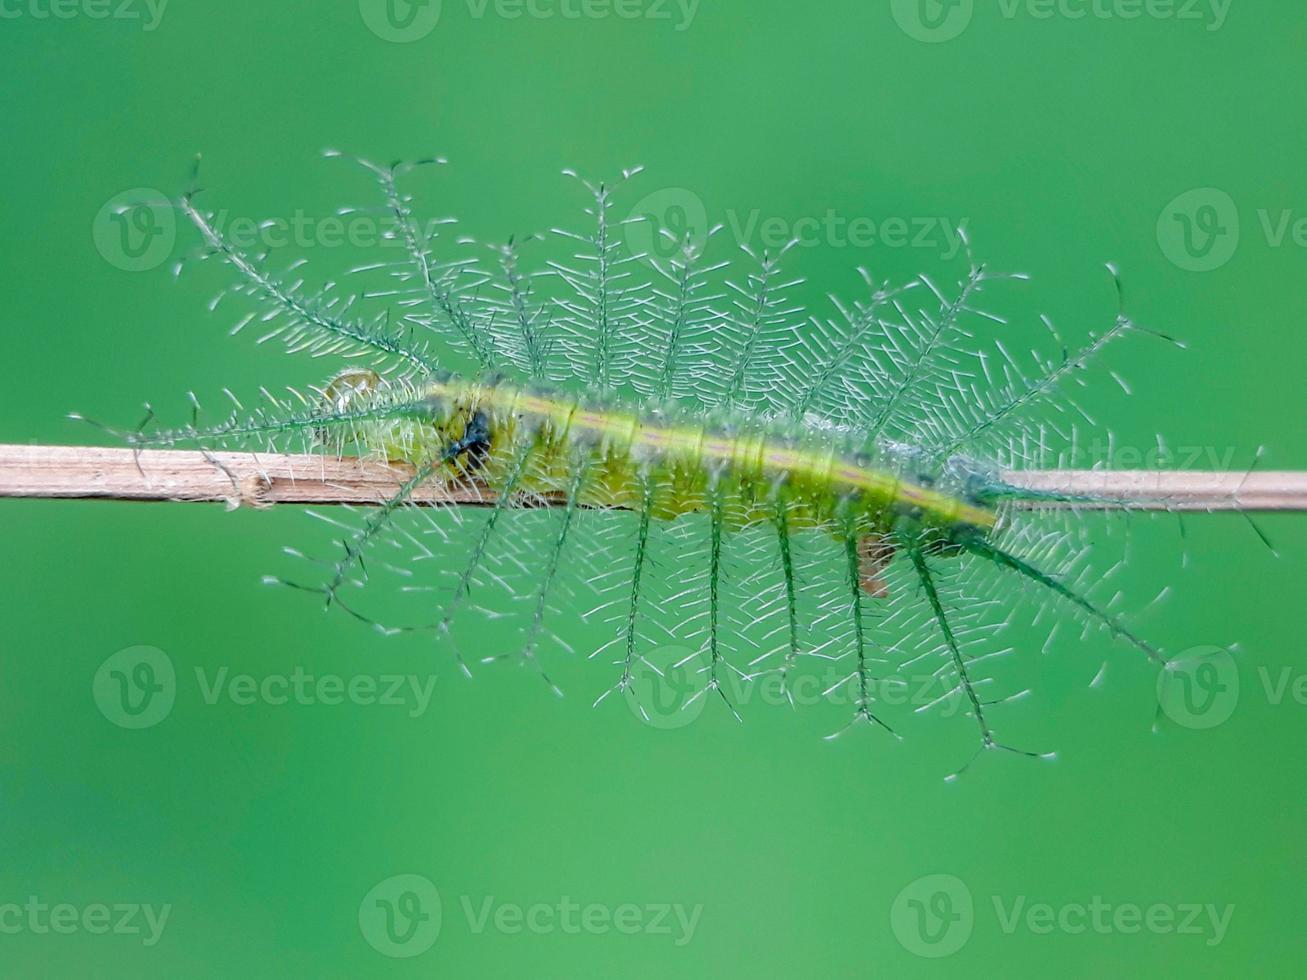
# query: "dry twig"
{"points": [[261, 480]]}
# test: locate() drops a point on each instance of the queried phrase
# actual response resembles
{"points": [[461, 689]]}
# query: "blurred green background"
{"points": [[1062, 141]]}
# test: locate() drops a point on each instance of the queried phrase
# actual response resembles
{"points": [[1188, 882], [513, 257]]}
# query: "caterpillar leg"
{"points": [[862, 672], [338, 396], [629, 633], [716, 660], [982, 548], [472, 445], [377, 522], [568, 517], [503, 498], [988, 741], [782, 520], [874, 556]]}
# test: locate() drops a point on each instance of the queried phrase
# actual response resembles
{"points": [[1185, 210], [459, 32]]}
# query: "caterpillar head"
{"points": [[350, 387], [386, 418]]}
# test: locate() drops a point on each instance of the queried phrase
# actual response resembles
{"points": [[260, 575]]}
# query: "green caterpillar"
{"points": [[844, 465]]}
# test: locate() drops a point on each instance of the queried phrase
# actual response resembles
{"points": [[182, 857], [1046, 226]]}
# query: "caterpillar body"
{"points": [[675, 466], [828, 490]]}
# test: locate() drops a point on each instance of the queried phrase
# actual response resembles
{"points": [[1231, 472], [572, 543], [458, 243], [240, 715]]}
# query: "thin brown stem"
{"points": [[260, 480]]}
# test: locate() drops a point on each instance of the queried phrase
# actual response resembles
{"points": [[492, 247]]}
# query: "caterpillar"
{"points": [[672, 443]]}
